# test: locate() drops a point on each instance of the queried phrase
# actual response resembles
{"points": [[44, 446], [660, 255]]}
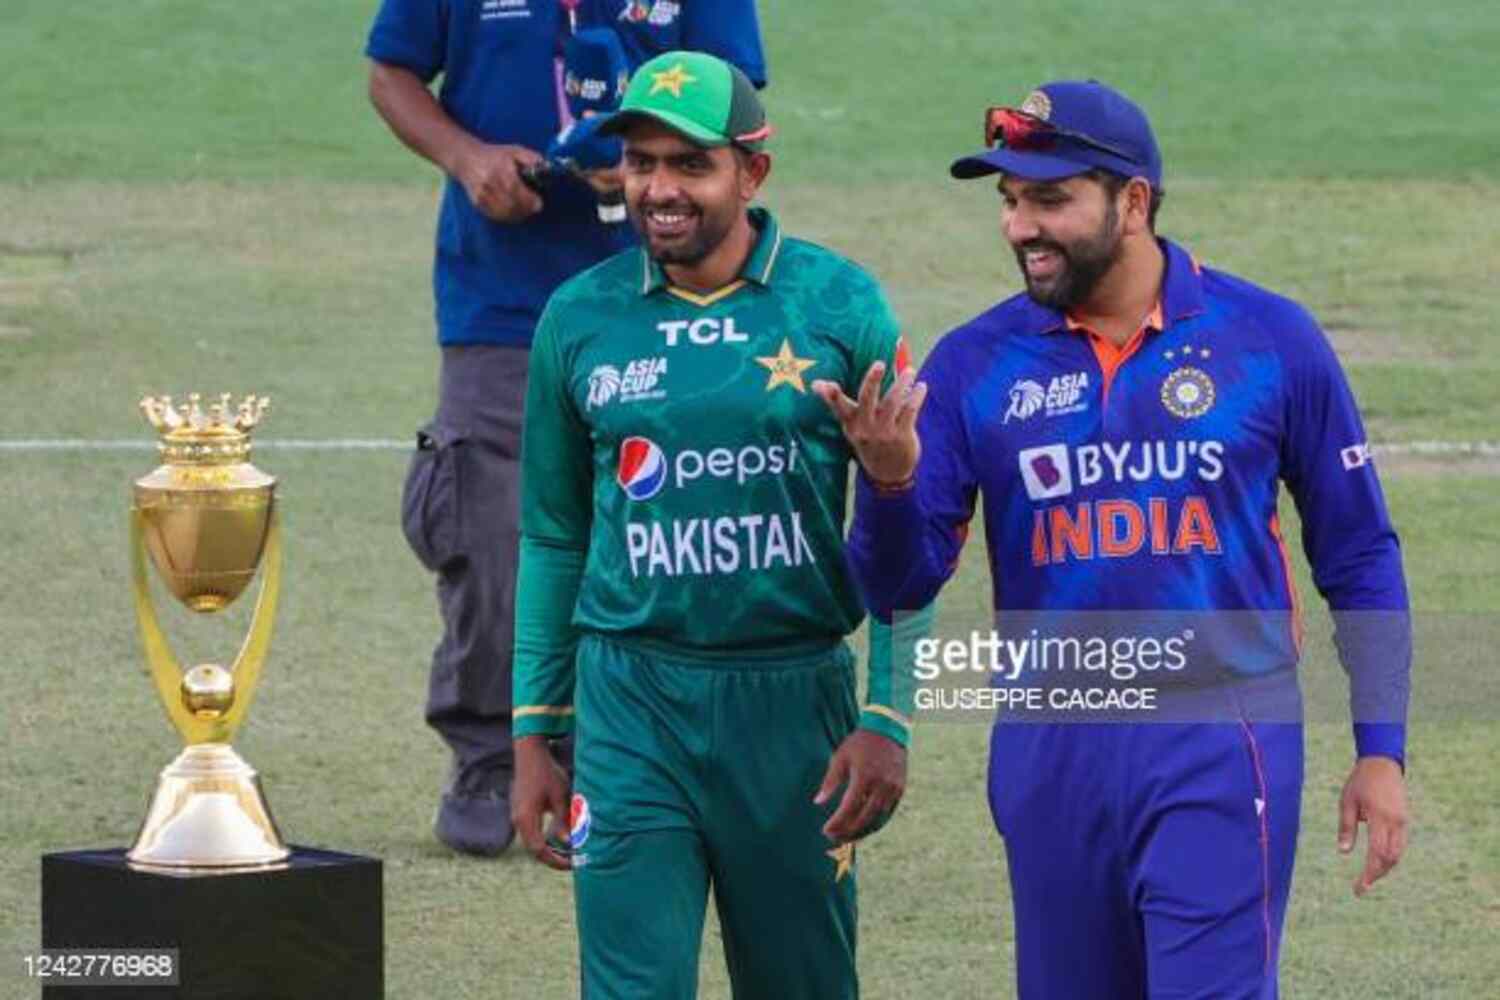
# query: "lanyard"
{"points": [[567, 27]]}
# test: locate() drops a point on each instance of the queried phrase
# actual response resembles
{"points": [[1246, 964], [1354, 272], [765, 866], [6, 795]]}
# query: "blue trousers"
{"points": [[1147, 860]]}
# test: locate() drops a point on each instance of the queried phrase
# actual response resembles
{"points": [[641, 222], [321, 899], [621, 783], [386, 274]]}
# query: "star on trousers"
{"points": [[843, 860]]}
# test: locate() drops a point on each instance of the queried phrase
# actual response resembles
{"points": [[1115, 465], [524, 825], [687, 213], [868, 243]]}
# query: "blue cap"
{"points": [[1086, 108]]}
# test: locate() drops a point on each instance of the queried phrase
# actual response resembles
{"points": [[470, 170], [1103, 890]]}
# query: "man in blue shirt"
{"points": [[502, 248], [1127, 422]]}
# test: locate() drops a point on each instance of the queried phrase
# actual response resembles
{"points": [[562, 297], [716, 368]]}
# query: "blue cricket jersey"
{"points": [[1146, 479], [497, 59]]}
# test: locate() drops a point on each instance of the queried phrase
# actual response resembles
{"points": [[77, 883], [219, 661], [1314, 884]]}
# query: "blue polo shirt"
{"points": [[497, 62], [1145, 478]]}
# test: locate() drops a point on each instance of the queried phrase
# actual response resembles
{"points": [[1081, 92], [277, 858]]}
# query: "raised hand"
{"points": [[881, 429]]}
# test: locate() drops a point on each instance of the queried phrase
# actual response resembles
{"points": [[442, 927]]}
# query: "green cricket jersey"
{"points": [[683, 489]]}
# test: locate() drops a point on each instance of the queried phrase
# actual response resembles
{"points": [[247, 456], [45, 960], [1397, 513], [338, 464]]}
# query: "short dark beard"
{"points": [[692, 251], [711, 232], [1085, 262]]}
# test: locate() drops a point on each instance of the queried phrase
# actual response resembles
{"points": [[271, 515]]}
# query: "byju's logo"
{"points": [[643, 468], [1046, 471], [1052, 471], [1356, 456]]}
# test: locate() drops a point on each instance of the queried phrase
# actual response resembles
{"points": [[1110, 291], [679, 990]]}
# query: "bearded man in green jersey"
{"points": [[683, 594]]}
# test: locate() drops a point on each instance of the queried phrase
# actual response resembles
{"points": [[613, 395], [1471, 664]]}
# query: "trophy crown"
{"points": [[194, 434]]}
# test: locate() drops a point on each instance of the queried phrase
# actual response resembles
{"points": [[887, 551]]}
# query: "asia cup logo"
{"points": [[656, 12], [604, 382], [643, 468], [580, 820], [1026, 397]]}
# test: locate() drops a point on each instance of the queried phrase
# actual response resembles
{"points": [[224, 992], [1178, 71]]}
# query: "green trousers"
{"points": [[698, 775]]}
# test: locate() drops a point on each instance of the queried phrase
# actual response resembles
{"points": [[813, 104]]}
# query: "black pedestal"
{"points": [[312, 929]]}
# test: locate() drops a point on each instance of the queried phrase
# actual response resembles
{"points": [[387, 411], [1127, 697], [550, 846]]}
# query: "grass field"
{"points": [[196, 195]]}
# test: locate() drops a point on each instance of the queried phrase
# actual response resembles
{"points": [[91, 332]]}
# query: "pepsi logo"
{"points": [[643, 468], [579, 821]]}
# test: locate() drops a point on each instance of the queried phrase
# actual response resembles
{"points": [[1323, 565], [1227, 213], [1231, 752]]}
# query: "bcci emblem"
{"points": [[1038, 105], [1187, 393]]}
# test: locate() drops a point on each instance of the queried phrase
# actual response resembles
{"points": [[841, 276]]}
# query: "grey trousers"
{"points": [[461, 514]]}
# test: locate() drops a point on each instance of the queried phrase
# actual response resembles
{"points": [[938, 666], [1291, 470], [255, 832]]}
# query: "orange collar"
{"points": [[1109, 356], [1154, 321]]}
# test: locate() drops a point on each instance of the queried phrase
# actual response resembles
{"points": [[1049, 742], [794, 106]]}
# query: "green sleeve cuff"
{"points": [[547, 582], [887, 722], [541, 720], [892, 666]]}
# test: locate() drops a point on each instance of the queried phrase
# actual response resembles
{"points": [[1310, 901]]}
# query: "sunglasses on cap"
{"points": [[1010, 128]]}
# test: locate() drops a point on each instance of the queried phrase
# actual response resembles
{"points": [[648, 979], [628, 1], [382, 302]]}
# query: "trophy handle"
{"points": [[252, 655], [166, 669]]}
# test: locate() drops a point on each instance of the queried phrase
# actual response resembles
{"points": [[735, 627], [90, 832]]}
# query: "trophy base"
{"points": [[208, 813], [308, 929]]}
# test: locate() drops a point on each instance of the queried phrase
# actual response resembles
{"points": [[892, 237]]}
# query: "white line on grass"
{"points": [[142, 444], [1482, 448], [1438, 448]]}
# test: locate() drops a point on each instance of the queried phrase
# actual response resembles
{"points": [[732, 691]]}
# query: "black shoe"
{"points": [[474, 814]]}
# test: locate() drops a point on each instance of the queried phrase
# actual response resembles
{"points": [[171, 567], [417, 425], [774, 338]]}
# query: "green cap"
{"points": [[705, 99]]}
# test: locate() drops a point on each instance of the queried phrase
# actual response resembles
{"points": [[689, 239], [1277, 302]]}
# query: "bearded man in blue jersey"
{"points": [[1127, 422]]}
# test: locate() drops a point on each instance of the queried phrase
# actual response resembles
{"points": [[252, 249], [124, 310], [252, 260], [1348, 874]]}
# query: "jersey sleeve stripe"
{"points": [[890, 713], [522, 711]]}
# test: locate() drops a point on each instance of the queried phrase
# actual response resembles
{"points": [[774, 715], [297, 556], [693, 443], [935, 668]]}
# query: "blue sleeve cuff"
{"points": [[885, 512], [1381, 739]]}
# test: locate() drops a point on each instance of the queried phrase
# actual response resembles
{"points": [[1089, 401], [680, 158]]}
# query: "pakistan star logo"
{"points": [[673, 79], [843, 860], [786, 368]]}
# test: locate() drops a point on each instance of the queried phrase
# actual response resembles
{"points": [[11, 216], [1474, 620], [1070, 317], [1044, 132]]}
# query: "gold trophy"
{"points": [[207, 518]]}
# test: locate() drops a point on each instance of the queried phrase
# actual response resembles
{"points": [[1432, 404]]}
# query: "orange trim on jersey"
{"points": [[1109, 356], [961, 532], [903, 356], [1291, 584]]}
